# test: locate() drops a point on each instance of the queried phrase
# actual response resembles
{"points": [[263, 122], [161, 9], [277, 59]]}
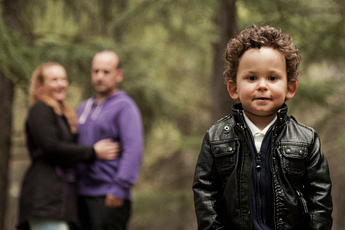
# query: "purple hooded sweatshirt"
{"points": [[118, 118]]}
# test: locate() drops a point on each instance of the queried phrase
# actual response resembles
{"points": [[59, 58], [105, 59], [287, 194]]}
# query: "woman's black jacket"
{"points": [[49, 190]]}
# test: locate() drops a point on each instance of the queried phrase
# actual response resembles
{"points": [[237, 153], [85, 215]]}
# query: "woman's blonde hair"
{"points": [[60, 108]]}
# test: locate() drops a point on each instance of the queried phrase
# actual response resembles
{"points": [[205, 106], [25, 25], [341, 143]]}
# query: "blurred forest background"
{"points": [[172, 56]]}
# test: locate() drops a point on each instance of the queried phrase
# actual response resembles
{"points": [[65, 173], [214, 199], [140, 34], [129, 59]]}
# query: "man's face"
{"points": [[104, 74], [261, 82]]}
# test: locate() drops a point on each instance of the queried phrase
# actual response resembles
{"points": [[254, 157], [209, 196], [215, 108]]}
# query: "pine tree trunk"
{"points": [[226, 21], [10, 15], [6, 101]]}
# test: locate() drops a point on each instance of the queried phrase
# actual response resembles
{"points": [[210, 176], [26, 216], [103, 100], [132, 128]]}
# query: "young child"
{"points": [[259, 168]]}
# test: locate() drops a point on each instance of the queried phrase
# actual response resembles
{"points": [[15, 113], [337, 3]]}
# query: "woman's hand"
{"points": [[106, 149], [112, 201]]}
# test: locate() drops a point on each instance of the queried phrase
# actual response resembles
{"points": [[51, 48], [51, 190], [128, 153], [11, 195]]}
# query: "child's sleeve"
{"points": [[319, 197], [204, 189]]}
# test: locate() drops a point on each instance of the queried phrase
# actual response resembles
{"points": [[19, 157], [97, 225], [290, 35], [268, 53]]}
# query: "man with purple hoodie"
{"points": [[104, 186]]}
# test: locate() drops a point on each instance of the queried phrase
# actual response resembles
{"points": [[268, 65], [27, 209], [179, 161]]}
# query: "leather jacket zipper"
{"points": [[274, 194], [242, 129]]}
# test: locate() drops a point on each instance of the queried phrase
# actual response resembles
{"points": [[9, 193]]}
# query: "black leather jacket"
{"points": [[300, 176]]}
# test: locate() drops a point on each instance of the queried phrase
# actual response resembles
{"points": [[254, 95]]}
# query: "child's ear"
{"points": [[291, 89], [232, 89]]}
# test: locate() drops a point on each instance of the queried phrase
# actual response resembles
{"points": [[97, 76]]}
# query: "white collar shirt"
{"points": [[258, 135]]}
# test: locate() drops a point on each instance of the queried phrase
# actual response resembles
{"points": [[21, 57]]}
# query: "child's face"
{"points": [[261, 82]]}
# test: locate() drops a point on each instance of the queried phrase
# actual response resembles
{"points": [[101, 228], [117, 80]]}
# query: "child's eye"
{"points": [[251, 78], [272, 78]]}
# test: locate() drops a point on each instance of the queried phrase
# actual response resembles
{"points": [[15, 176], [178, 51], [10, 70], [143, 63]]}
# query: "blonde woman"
{"points": [[48, 195]]}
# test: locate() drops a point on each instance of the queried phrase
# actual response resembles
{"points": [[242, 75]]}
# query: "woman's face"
{"points": [[55, 82]]}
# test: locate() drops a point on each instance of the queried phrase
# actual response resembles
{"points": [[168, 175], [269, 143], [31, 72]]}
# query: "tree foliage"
{"points": [[166, 46], [164, 52], [16, 57], [316, 26]]}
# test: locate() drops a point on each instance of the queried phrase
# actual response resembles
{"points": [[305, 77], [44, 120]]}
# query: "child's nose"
{"points": [[262, 85]]}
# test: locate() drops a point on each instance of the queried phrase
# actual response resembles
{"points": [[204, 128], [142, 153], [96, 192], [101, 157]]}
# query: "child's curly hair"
{"points": [[256, 37]]}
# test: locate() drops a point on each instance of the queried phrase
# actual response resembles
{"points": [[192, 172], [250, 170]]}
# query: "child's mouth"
{"points": [[261, 99]]}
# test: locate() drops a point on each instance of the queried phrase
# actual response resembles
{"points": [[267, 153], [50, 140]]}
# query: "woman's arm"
{"points": [[55, 141]]}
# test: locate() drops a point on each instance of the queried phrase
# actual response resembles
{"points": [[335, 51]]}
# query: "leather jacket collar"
{"points": [[237, 111]]}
